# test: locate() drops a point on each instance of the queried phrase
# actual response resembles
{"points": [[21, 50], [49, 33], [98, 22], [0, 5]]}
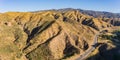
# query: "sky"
{"points": [[35, 5]]}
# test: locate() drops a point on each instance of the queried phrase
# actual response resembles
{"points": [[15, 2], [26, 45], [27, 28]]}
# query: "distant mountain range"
{"points": [[94, 13]]}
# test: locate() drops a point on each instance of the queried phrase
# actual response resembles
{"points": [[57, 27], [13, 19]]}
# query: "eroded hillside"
{"points": [[46, 35]]}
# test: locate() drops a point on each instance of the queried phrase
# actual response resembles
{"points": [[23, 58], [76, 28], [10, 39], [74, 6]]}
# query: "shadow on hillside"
{"points": [[36, 31], [106, 53]]}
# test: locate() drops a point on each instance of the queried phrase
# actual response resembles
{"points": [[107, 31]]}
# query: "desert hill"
{"points": [[47, 35]]}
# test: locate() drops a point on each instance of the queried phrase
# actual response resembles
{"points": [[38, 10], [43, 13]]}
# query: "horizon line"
{"points": [[59, 9]]}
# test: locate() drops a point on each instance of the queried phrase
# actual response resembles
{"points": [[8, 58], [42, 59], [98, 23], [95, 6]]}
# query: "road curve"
{"points": [[90, 50]]}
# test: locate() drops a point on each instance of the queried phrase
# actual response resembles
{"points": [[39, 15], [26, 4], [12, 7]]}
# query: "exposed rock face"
{"points": [[47, 35]]}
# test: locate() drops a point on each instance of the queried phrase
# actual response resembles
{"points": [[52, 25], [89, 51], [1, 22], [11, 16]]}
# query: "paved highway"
{"points": [[90, 50]]}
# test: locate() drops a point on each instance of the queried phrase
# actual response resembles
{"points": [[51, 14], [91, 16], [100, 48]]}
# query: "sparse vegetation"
{"points": [[115, 35], [40, 53], [109, 44]]}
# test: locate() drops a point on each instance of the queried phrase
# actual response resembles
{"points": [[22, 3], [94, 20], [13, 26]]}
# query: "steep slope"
{"points": [[111, 18], [75, 15], [46, 35]]}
